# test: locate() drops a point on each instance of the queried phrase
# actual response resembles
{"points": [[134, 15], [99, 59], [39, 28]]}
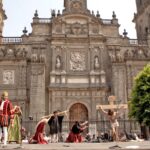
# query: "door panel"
{"points": [[78, 112]]}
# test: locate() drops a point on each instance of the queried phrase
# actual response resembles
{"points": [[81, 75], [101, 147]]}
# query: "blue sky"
{"points": [[21, 12]]}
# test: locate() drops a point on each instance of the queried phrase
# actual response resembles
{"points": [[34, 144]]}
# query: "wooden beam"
{"points": [[112, 106]]}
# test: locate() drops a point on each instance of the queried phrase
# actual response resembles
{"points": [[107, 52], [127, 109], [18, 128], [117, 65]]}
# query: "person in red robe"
{"points": [[38, 137], [6, 114], [75, 134]]}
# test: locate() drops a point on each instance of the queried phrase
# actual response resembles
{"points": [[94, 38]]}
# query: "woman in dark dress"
{"points": [[75, 134]]}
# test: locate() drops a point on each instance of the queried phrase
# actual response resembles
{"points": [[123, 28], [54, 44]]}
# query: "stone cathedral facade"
{"points": [[73, 61]]}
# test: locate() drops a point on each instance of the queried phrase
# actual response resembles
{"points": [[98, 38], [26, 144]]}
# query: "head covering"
{"points": [[5, 94]]}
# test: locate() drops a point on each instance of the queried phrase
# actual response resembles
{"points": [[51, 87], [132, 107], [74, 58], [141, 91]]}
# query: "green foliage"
{"points": [[139, 105]]}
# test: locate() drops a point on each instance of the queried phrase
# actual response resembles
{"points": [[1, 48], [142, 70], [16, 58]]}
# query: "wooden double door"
{"points": [[78, 112]]}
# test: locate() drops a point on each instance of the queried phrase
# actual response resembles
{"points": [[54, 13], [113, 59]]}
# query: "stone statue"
{"points": [[58, 62], [96, 63]]}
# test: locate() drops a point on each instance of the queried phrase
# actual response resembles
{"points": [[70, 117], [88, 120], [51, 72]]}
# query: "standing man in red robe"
{"points": [[5, 115]]}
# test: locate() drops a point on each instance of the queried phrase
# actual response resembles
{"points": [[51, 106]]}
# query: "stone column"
{"points": [[92, 125], [119, 81], [37, 91]]}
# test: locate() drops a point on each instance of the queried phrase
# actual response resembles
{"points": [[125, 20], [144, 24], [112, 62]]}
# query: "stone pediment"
{"points": [[76, 24]]}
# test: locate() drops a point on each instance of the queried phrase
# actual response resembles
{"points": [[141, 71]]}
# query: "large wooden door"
{"points": [[78, 112]]}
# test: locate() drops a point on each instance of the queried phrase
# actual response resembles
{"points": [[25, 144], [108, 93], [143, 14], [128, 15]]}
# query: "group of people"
{"points": [[55, 123], [10, 126]]}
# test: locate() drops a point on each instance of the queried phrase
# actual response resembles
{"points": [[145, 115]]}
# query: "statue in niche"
{"points": [[96, 62], [58, 62]]}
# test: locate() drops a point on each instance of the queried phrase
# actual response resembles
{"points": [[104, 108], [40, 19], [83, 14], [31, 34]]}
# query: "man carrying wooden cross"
{"points": [[112, 115]]}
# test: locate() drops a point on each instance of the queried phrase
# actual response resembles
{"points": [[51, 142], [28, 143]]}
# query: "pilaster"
{"points": [[37, 90]]}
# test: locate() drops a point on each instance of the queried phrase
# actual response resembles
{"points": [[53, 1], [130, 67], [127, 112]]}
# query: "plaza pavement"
{"points": [[145, 145]]}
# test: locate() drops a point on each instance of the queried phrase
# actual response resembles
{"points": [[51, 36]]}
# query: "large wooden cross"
{"points": [[111, 104]]}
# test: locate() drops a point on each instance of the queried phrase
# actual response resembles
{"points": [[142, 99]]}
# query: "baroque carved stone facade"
{"points": [[73, 61]]}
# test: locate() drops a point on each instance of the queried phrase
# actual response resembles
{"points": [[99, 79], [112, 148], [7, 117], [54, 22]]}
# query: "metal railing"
{"points": [[101, 126]]}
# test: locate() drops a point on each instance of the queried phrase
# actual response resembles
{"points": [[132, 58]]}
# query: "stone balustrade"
{"points": [[7, 40], [44, 20], [107, 21], [137, 42]]}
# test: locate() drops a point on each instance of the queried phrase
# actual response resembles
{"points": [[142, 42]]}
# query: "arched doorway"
{"points": [[78, 112]]}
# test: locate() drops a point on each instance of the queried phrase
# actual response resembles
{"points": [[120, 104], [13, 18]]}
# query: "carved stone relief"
{"points": [[77, 61], [39, 70], [34, 58], [140, 54], [42, 58], [116, 56], [95, 29], [21, 53], [58, 28], [76, 6], [129, 54], [8, 77], [120, 56], [112, 56], [13, 53], [76, 28], [136, 54], [10, 53]]}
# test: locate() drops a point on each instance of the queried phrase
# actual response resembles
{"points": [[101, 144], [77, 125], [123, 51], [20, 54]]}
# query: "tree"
{"points": [[139, 105]]}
